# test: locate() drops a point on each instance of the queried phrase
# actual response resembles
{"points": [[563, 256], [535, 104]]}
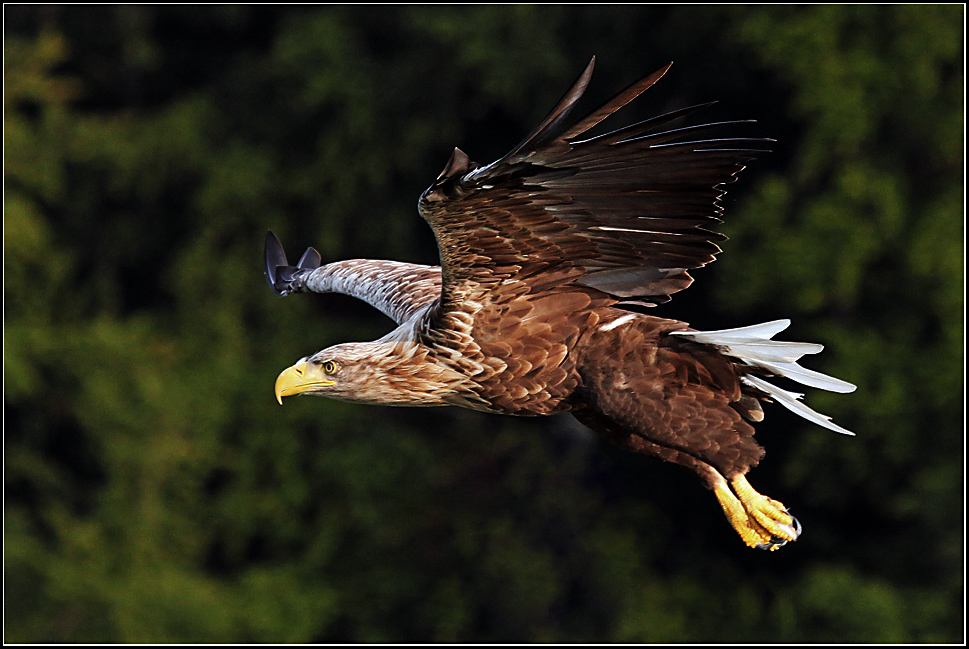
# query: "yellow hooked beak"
{"points": [[298, 379]]}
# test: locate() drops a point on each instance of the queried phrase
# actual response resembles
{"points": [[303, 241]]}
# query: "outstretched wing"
{"points": [[398, 289], [626, 213]]}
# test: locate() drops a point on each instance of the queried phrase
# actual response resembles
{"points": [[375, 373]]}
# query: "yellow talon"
{"points": [[760, 521]]}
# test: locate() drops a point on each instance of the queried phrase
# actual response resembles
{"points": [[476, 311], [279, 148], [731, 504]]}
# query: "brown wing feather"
{"points": [[622, 213]]}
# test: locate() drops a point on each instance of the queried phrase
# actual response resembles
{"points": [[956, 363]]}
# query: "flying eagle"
{"points": [[541, 253]]}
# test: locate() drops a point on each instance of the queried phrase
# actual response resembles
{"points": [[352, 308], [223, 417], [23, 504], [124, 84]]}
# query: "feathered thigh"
{"points": [[664, 397]]}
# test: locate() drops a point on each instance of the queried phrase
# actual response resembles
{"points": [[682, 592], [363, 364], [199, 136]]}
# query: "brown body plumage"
{"points": [[540, 252]]}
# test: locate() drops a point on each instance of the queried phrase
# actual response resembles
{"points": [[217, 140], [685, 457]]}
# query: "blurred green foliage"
{"points": [[156, 493]]}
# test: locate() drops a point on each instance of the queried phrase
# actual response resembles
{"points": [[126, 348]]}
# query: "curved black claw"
{"points": [[778, 542], [283, 278]]}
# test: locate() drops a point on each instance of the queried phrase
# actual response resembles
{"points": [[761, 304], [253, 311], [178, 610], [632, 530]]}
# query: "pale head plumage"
{"points": [[380, 372]]}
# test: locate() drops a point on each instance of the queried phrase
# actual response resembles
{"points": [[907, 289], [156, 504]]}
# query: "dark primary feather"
{"points": [[625, 213], [282, 277]]}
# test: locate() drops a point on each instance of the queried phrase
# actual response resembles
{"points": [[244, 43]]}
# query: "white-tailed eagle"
{"points": [[541, 252]]}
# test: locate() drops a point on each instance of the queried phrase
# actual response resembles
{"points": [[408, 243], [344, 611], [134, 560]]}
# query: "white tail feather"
{"points": [[763, 331], [753, 346], [806, 377], [790, 400], [773, 351]]}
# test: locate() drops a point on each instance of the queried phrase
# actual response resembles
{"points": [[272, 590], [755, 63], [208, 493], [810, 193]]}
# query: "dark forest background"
{"points": [[154, 490]]}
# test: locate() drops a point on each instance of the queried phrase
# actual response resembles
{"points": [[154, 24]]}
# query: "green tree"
{"points": [[156, 493]]}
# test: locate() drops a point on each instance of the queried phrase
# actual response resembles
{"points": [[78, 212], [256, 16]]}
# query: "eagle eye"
{"points": [[329, 367]]}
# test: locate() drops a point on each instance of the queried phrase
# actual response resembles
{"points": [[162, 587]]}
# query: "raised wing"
{"points": [[626, 212], [398, 289]]}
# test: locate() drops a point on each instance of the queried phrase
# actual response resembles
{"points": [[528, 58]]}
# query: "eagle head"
{"points": [[380, 372]]}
